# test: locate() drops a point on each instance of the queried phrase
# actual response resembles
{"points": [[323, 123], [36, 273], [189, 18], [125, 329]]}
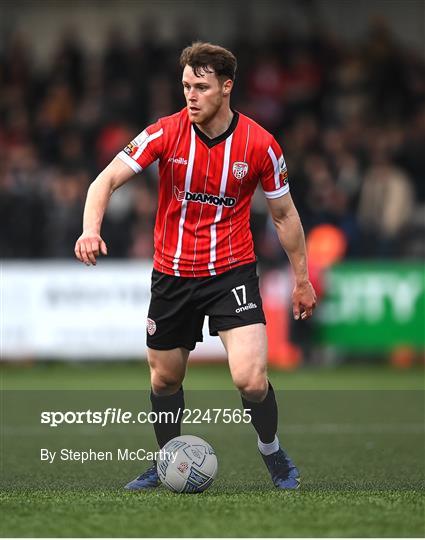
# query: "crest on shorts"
{"points": [[151, 326], [240, 169]]}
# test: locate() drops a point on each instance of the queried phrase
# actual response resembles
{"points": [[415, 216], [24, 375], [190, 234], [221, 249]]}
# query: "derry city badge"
{"points": [[151, 326], [240, 169]]}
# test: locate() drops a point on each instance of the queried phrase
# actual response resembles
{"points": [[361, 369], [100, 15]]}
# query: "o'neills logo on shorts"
{"points": [[203, 198], [251, 305]]}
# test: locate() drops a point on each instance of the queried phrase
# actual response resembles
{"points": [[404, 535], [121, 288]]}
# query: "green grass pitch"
{"points": [[356, 434]]}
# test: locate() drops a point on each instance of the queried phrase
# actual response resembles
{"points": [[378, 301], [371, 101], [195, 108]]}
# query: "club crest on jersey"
{"points": [[240, 169], [203, 198]]}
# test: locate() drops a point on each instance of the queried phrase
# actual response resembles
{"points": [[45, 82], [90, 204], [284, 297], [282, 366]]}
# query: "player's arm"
{"points": [[90, 244], [291, 236]]}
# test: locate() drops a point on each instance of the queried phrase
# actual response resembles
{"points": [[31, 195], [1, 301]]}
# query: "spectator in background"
{"points": [[22, 204], [56, 111], [302, 83], [265, 90], [110, 138], [410, 154], [386, 203], [66, 196]]}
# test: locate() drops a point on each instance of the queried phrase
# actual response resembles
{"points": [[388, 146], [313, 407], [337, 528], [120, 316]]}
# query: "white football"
{"points": [[187, 464]]}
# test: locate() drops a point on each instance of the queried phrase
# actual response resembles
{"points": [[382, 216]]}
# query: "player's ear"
{"points": [[227, 87]]}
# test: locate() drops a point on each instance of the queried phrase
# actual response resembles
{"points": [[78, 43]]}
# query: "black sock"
{"points": [[264, 416], [168, 428]]}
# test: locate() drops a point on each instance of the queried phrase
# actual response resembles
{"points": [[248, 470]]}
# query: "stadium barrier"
{"points": [[64, 310], [373, 306]]}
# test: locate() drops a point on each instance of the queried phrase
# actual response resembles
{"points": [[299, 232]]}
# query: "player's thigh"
{"points": [[246, 348], [167, 367]]}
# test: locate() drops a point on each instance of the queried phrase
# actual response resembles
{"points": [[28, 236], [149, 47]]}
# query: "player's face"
{"points": [[205, 95]]}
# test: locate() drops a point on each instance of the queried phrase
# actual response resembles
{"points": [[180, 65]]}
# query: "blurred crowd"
{"points": [[350, 118]]}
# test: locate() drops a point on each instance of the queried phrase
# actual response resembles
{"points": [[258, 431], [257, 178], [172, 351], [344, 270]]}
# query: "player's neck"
{"points": [[219, 124]]}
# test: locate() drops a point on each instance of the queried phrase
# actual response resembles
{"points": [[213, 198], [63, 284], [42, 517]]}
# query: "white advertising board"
{"points": [[55, 310]]}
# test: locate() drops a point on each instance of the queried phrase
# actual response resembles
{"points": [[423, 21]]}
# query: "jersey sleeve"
{"points": [[144, 149], [273, 172]]}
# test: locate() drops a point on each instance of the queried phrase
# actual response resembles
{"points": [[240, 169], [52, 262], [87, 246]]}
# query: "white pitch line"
{"points": [[296, 429]]}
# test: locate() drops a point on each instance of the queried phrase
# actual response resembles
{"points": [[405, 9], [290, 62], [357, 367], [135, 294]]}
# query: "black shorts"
{"points": [[179, 305]]}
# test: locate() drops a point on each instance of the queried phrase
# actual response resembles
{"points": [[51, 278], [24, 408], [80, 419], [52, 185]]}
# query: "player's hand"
{"points": [[303, 300], [88, 247]]}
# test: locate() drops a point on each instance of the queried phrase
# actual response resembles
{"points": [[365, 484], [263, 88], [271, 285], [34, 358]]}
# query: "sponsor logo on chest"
{"points": [[204, 198]]}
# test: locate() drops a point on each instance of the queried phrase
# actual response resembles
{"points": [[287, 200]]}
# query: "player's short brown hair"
{"points": [[203, 56]]}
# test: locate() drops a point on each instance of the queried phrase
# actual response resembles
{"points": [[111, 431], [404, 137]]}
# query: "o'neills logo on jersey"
{"points": [[203, 198], [177, 161]]}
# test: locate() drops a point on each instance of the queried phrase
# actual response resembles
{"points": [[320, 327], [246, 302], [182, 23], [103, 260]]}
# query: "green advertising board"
{"points": [[373, 306]]}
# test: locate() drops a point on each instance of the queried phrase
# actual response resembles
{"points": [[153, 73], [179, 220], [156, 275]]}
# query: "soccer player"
{"points": [[211, 158]]}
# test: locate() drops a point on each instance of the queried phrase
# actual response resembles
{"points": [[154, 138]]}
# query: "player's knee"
{"points": [[253, 388], [165, 383]]}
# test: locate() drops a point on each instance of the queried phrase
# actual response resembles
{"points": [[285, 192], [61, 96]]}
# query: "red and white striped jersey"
{"points": [[205, 190]]}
